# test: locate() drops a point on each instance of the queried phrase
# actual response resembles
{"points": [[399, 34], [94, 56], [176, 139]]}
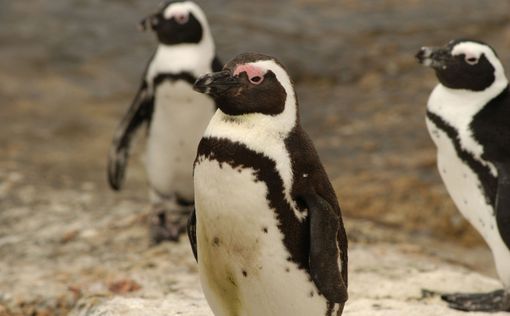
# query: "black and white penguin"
{"points": [[468, 118], [267, 230], [176, 115]]}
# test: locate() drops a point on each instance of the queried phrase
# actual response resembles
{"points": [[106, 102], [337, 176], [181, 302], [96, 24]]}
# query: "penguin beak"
{"points": [[434, 57], [216, 83], [151, 21]]}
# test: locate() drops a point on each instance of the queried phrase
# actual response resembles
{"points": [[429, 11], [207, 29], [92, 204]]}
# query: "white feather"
{"points": [[232, 212], [464, 188], [178, 122]]}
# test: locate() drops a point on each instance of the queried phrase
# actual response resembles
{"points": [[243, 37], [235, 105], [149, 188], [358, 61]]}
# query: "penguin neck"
{"points": [[255, 127], [195, 59], [456, 104]]}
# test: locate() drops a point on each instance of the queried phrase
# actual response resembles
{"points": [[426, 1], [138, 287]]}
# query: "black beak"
{"points": [[151, 21], [216, 83], [434, 57]]}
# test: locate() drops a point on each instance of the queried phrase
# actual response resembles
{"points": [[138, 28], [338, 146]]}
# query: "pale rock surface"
{"points": [[384, 280]]}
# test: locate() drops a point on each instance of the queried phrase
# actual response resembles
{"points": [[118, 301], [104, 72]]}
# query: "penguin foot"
{"points": [[167, 226], [496, 301]]}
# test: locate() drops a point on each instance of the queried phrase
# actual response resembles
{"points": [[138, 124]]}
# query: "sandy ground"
{"points": [[67, 73]]}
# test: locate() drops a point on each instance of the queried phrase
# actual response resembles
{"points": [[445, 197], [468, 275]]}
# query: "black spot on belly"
{"points": [[231, 280], [264, 230], [245, 274], [216, 241], [287, 269], [311, 293]]}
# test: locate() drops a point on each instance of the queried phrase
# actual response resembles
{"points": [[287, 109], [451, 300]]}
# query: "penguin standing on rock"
{"points": [[175, 114], [468, 118], [267, 230]]}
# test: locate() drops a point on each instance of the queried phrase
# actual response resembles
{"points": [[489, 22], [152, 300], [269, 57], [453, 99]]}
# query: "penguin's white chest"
{"points": [[466, 191], [243, 263], [178, 122]]}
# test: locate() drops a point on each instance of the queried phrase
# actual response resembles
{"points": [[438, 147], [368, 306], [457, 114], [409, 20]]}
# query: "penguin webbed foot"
{"points": [[168, 226], [495, 301]]}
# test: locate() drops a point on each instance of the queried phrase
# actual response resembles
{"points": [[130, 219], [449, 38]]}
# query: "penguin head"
{"points": [[251, 83], [464, 64], [178, 22]]}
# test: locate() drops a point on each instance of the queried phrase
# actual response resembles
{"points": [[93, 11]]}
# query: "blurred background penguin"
{"points": [[176, 116]]}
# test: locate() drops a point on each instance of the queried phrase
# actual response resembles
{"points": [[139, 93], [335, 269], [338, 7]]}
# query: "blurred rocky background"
{"points": [[69, 68]]}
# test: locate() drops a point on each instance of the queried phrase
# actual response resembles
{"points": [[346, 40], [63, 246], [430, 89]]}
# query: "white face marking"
{"points": [[193, 58], [264, 133], [473, 51], [181, 9]]}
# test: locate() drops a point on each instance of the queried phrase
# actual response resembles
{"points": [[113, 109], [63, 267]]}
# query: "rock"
{"points": [[169, 306], [3, 311], [384, 280]]}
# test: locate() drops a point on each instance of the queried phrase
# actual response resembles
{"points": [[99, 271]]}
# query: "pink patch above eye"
{"points": [[181, 18], [255, 74]]}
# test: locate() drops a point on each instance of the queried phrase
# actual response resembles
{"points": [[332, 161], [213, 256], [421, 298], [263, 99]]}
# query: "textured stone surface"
{"points": [[384, 281]]}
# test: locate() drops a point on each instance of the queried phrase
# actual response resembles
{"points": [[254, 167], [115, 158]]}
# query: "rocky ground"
{"points": [[67, 72]]}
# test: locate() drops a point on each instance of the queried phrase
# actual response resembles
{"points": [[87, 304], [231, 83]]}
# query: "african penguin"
{"points": [[176, 115], [267, 229], [468, 118]]}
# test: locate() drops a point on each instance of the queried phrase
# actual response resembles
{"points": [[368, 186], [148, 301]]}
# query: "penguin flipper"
{"points": [[140, 111], [325, 257], [192, 233], [503, 202]]}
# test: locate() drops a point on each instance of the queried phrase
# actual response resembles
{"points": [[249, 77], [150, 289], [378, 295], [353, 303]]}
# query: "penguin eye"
{"points": [[181, 18], [256, 80], [472, 60]]}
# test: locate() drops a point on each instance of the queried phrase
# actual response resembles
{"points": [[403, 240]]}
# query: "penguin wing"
{"points": [[325, 255], [192, 233], [140, 111], [503, 201]]}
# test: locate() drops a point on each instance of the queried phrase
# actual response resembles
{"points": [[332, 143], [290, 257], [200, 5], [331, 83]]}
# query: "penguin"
{"points": [[176, 115], [267, 230], [468, 118]]}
